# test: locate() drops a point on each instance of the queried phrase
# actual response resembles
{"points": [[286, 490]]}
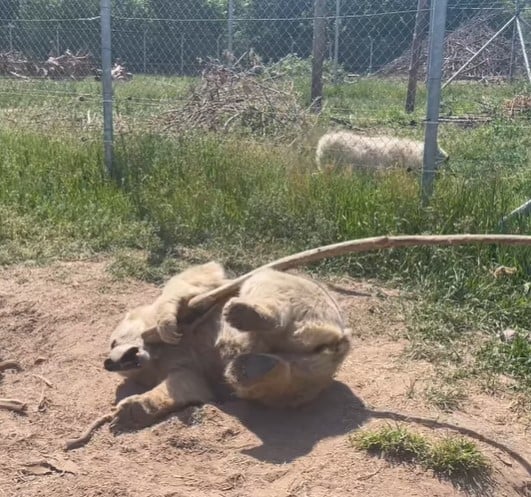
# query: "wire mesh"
{"points": [[48, 54], [50, 64]]}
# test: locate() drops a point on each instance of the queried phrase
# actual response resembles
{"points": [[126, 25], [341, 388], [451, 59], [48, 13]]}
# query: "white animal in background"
{"points": [[350, 150]]}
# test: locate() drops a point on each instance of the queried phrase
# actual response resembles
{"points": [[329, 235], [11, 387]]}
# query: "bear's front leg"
{"points": [[180, 389]]}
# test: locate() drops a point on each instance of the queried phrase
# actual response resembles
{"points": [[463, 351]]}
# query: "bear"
{"points": [[281, 339], [278, 342], [345, 149]]}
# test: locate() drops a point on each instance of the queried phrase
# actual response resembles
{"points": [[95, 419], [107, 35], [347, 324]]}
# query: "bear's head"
{"points": [[135, 346]]}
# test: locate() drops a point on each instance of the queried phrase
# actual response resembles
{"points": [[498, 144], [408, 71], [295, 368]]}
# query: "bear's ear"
{"points": [[168, 332]]}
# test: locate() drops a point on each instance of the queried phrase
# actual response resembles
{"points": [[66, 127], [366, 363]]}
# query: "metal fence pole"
{"points": [[106, 79], [436, 49], [371, 54], [10, 27], [318, 53], [230, 25], [421, 21], [524, 51], [57, 41], [182, 55], [337, 24], [144, 51], [513, 42]]}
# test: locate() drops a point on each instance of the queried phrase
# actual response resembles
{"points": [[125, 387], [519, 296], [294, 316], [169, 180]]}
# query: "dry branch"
{"points": [[65, 66], [10, 365], [47, 382], [74, 443], [243, 95], [207, 299], [13, 405], [459, 46]]}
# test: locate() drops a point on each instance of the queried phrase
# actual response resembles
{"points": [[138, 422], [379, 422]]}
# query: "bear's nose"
{"points": [[110, 365]]}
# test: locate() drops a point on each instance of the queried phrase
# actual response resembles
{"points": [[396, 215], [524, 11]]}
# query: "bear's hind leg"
{"points": [[245, 315], [252, 376]]}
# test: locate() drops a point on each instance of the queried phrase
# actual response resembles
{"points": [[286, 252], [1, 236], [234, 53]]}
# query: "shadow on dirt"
{"points": [[289, 434]]}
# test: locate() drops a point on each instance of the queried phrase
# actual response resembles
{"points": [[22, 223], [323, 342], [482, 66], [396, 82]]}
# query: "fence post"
{"points": [[524, 51], [10, 27], [513, 42], [182, 54], [436, 49], [106, 80], [371, 55], [144, 51], [230, 25], [337, 25], [318, 53], [57, 41], [421, 21]]}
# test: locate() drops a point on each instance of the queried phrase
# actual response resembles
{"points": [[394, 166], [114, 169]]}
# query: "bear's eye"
{"points": [[113, 344]]}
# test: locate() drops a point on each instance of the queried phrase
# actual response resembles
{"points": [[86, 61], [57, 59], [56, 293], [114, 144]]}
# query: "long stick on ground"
{"points": [[74, 443], [207, 299], [10, 365], [13, 405]]}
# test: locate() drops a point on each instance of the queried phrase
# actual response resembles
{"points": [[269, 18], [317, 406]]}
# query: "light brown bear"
{"points": [[279, 342]]}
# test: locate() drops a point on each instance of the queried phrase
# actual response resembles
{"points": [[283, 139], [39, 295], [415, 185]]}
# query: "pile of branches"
{"points": [[118, 73], [517, 106], [13, 63], [240, 95], [460, 45], [66, 66]]}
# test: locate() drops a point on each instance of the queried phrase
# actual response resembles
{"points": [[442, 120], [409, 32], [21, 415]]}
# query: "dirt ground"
{"points": [[56, 322]]}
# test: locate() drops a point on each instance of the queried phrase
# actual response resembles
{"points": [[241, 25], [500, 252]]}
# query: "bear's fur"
{"points": [[345, 149], [279, 342]]}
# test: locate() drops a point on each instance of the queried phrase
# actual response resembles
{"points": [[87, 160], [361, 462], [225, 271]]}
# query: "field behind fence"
{"points": [[51, 56], [242, 71]]}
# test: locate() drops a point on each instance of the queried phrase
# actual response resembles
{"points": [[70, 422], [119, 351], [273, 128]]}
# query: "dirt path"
{"points": [[56, 321]]}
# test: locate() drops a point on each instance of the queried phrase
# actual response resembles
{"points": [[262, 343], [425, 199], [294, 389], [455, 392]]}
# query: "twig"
{"points": [[10, 365], [207, 299], [74, 443], [47, 382], [13, 405], [41, 406], [370, 475]]}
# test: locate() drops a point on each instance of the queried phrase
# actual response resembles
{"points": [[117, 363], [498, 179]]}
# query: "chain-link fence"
{"points": [[169, 55]]}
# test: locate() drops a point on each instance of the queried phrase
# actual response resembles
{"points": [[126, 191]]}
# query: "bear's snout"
{"points": [[122, 358]]}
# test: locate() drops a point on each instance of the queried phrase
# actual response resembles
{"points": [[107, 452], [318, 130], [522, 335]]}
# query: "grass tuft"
{"points": [[456, 456], [392, 442], [452, 456]]}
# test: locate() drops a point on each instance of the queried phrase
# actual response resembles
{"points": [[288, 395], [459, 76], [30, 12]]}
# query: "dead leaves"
{"points": [[49, 465], [502, 271]]}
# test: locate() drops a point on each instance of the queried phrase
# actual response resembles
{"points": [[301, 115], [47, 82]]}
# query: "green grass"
{"points": [[392, 442], [246, 202], [452, 456], [446, 397], [456, 456], [512, 358]]}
